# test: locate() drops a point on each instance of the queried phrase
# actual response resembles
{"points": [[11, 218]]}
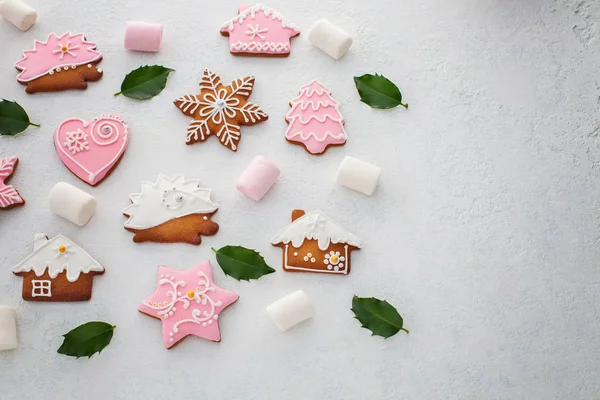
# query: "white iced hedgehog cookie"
{"points": [[171, 210]]}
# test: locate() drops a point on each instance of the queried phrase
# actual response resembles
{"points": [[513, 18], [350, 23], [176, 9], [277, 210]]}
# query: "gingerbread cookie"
{"points": [[57, 270], [171, 210], [315, 121], [188, 303], [259, 31], [60, 63], [91, 149], [314, 242], [9, 196], [220, 110]]}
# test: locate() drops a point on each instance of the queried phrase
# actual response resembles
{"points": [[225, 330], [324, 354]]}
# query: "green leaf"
{"points": [[241, 263], [13, 119], [378, 91], [145, 82], [380, 317], [87, 339]]}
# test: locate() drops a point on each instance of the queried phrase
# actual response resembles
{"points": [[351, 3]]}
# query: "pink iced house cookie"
{"points": [[188, 303], [60, 63], [91, 149], [259, 30], [315, 121]]}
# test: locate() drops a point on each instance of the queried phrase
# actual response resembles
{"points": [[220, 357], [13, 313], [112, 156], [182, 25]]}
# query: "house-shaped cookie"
{"points": [[57, 270], [314, 242], [259, 30]]}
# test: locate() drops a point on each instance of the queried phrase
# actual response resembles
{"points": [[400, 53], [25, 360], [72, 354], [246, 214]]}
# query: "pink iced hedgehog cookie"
{"points": [[259, 31], [315, 121], [188, 303], [60, 63]]}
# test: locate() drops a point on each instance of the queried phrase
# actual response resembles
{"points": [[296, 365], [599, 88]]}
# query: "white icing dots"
{"points": [[89, 65]]}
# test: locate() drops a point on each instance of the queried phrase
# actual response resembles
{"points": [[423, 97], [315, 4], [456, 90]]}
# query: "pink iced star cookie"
{"points": [[188, 303]]}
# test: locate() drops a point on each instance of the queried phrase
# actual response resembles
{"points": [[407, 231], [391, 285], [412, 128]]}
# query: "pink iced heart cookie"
{"points": [[91, 149]]}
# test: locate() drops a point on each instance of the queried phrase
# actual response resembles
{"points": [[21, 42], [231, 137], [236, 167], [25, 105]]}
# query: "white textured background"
{"points": [[484, 231]]}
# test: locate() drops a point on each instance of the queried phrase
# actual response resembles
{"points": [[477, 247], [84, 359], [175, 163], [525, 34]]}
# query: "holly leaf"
{"points": [[87, 339], [13, 119], [380, 317], [378, 91], [241, 263], [145, 82]]}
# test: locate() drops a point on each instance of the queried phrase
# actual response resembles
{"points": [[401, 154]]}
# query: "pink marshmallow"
{"points": [[258, 177], [143, 36]]}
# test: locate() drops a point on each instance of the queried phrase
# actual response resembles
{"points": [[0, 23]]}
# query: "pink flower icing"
{"points": [[188, 303], [315, 120], [259, 29], [91, 149], [66, 50]]}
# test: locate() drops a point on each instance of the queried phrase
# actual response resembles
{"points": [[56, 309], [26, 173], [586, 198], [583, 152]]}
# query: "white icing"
{"points": [[76, 141], [41, 288], [44, 258], [149, 210], [250, 12], [255, 47], [255, 31], [316, 225]]}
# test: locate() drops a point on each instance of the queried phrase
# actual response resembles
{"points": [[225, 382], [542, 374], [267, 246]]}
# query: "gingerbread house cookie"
{"points": [[57, 270], [314, 242], [259, 31], [60, 63]]}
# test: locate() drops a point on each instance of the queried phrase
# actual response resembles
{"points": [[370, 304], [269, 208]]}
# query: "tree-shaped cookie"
{"points": [[220, 110], [315, 121], [9, 196]]}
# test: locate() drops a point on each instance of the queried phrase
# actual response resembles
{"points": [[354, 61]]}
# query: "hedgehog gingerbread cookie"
{"points": [[60, 63], [171, 210]]}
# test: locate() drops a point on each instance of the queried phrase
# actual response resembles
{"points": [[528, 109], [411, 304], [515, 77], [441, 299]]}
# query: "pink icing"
{"points": [[188, 303], [91, 149], [258, 177], [315, 120], [261, 30], [8, 194], [48, 55]]}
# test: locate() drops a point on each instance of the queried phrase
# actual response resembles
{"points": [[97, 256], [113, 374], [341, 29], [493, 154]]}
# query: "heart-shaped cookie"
{"points": [[91, 149]]}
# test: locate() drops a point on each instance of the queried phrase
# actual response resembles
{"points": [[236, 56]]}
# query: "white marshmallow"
{"points": [[358, 175], [329, 38], [18, 13], [8, 328], [291, 310], [72, 204]]}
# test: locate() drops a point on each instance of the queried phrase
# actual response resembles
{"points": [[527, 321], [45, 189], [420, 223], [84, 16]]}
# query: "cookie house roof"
{"points": [[267, 11], [316, 225], [74, 263]]}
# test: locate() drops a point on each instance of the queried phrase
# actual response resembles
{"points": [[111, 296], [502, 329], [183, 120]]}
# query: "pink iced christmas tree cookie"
{"points": [[60, 63], [91, 149], [315, 121], [188, 303], [259, 31], [9, 197]]}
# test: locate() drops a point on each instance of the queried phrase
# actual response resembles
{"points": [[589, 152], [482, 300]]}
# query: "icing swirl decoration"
{"points": [[104, 132], [188, 303]]}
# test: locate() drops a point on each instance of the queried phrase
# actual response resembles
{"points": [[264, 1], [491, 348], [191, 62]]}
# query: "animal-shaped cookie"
{"points": [[60, 63]]}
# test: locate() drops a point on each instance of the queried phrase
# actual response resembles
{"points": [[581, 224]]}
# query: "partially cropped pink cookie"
{"points": [[258, 177], [188, 303]]}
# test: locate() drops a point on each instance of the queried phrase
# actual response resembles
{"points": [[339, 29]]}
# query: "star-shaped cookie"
{"points": [[188, 303], [220, 110]]}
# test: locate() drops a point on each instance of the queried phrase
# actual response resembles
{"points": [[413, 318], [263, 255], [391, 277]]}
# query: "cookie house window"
{"points": [[41, 289]]}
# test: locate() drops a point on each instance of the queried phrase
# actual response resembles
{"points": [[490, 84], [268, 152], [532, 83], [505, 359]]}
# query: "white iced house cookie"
{"points": [[57, 270]]}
